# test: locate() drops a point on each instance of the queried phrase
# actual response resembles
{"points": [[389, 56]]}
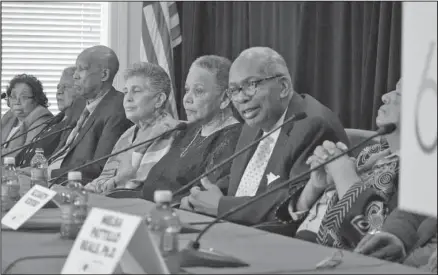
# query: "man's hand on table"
{"points": [[203, 201], [382, 245]]}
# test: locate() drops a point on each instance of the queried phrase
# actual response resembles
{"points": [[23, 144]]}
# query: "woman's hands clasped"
{"points": [[341, 171]]}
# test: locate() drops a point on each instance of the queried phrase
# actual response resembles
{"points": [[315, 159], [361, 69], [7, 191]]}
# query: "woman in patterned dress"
{"points": [[211, 135], [349, 197]]}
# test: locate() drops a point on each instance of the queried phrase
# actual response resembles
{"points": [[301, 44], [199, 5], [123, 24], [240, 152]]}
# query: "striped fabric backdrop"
{"points": [[160, 34]]}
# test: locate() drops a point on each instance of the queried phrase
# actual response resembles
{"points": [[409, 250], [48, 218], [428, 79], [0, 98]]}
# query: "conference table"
{"points": [[264, 252]]}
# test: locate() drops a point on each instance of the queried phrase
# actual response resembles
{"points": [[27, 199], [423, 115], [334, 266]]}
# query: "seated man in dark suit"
{"points": [[261, 89], [101, 122], [46, 139]]}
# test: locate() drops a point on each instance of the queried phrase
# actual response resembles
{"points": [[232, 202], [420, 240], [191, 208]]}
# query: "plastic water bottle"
{"points": [[74, 206], [10, 184], [165, 225], [6, 202], [38, 170]]}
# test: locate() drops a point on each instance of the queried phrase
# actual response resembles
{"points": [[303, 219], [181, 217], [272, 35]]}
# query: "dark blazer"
{"points": [[295, 144], [96, 138], [413, 230], [46, 139]]}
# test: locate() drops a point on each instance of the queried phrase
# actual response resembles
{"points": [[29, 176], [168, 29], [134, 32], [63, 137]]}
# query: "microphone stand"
{"points": [[197, 257], [30, 143], [180, 126], [298, 116], [28, 130]]}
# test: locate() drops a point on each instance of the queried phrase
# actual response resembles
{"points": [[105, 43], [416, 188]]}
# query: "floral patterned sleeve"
{"points": [[364, 206]]}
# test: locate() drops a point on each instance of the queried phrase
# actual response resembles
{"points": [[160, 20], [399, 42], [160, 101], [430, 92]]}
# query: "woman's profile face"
{"points": [[390, 111], [202, 99], [140, 101], [22, 100]]}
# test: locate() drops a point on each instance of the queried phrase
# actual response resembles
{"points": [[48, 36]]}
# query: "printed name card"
{"points": [[101, 243], [27, 206]]}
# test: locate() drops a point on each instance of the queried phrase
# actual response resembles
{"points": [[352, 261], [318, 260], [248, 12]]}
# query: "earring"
{"points": [[224, 106]]}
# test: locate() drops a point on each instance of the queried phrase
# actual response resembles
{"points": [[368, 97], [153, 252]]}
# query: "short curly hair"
{"points": [[155, 75], [217, 65], [35, 85]]}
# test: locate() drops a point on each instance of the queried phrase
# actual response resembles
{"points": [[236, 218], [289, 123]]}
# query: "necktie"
{"points": [[73, 135], [75, 131], [256, 168]]}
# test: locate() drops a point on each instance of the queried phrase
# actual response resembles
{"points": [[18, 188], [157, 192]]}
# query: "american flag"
{"points": [[160, 34]]}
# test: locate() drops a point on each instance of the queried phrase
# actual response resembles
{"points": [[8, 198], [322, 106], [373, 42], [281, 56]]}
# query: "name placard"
{"points": [[27, 206], [418, 177], [101, 242]]}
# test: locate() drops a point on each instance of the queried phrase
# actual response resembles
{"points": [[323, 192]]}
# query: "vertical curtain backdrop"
{"points": [[346, 54]]}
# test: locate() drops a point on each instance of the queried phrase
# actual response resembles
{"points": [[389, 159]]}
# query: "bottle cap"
{"points": [[9, 160], [161, 196], [39, 150], [74, 175]]}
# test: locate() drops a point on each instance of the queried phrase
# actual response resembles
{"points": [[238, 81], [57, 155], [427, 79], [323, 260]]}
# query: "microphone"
{"points": [[54, 120], [295, 117], [197, 257], [71, 126], [4, 95], [180, 126]]}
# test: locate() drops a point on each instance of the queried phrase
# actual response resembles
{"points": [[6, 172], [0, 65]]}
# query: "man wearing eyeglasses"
{"points": [[65, 96], [261, 89]]}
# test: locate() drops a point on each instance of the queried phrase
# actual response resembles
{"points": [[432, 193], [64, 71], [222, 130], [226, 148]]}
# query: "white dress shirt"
{"points": [[256, 167]]}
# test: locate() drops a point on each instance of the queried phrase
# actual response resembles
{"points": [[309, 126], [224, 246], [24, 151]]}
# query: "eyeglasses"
{"points": [[249, 88], [21, 98]]}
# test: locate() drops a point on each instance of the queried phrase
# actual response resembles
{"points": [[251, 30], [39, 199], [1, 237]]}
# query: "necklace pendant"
{"points": [[184, 152]]}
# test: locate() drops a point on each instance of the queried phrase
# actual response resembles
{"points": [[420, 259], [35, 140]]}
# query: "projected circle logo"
{"points": [[425, 131]]}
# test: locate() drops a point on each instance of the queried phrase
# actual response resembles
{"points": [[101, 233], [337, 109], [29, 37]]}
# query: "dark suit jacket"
{"points": [[47, 139], [96, 138], [413, 230], [295, 144]]}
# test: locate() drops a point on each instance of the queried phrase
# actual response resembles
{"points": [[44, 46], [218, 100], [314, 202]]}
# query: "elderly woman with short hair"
{"points": [[349, 198], [212, 133], [29, 107], [147, 88]]}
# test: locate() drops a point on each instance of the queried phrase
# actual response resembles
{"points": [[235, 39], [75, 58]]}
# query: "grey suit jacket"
{"points": [[96, 138], [37, 117], [295, 144]]}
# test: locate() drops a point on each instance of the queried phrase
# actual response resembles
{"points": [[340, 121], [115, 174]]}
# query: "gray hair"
{"points": [[272, 62], [69, 72], [156, 76], [104, 57], [217, 65]]}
